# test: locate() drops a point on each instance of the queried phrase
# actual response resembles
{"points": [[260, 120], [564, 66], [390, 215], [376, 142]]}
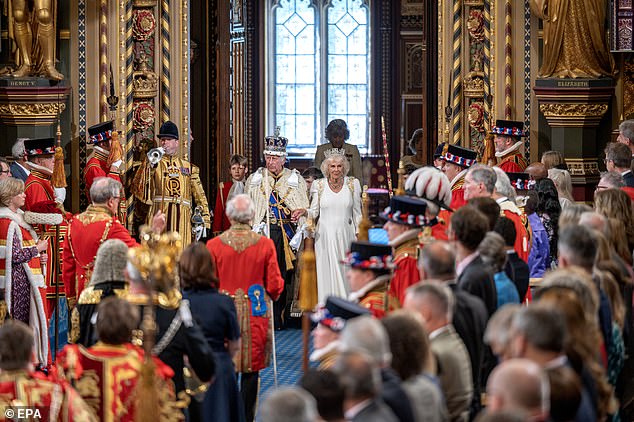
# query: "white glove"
{"points": [[117, 163], [261, 229], [201, 232], [60, 195], [300, 235]]}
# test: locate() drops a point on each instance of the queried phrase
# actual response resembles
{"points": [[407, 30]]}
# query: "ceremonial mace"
{"points": [[386, 154], [307, 294]]}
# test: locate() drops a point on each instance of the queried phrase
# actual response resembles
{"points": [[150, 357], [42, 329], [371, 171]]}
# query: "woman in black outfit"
{"points": [[216, 315]]}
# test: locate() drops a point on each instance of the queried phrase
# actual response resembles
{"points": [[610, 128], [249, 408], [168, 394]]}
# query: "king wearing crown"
{"points": [[281, 202]]}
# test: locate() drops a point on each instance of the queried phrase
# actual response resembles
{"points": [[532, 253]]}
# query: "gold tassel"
{"points": [[116, 151], [365, 225], [59, 174], [489, 150], [308, 280]]}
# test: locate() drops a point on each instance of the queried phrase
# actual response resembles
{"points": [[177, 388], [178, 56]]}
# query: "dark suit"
{"points": [[394, 396], [18, 172], [628, 178], [376, 411], [477, 279], [518, 272], [470, 320]]}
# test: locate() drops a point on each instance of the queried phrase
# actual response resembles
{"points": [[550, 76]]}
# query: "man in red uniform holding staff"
{"points": [[88, 230], [249, 273]]}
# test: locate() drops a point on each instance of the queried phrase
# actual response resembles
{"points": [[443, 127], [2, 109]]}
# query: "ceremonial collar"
{"points": [[17, 217], [377, 282], [101, 153], [98, 208], [404, 237], [40, 171], [515, 148]]}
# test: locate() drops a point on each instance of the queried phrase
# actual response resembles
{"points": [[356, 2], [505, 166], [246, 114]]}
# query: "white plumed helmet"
{"points": [[431, 184]]}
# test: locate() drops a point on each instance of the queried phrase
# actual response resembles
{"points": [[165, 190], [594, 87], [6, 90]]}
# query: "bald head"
{"points": [[518, 384], [594, 220], [437, 260], [537, 171], [240, 209]]}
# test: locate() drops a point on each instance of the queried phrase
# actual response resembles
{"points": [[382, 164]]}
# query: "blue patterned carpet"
{"points": [[289, 361]]}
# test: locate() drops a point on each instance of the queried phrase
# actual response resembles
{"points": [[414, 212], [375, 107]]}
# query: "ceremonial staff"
{"points": [[386, 154], [307, 294]]}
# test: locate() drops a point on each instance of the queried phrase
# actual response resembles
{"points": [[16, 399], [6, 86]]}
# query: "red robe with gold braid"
{"points": [[513, 163], [12, 224], [405, 258], [523, 239], [86, 232], [457, 191], [221, 222], [98, 166], [439, 230], [55, 401], [244, 261], [375, 297], [38, 189], [106, 377]]}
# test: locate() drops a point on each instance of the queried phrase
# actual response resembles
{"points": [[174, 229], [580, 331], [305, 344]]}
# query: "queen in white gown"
{"points": [[336, 209]]}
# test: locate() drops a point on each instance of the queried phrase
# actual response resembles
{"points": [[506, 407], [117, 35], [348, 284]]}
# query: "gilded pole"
{"points": [[103, 60], [456, 73], [129, 102], [184, 12], [165, 68], [508, 57], [487, 61]]}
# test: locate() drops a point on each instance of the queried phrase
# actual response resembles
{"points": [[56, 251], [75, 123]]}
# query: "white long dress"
{"points": [[338, 216]]}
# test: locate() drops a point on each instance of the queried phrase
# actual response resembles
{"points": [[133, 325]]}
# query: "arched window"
{"points": [[319, 70]]}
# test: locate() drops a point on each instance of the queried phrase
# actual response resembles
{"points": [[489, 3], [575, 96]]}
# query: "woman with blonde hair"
{"points": [[563, 183], [614, 203], [21, 259], [336, 209], [553, 160], [571, 215]]}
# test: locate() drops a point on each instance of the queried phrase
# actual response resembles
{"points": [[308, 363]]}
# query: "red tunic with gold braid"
{"points": [[38, 189], [375, 297], [106, 377], [513, 163], [439, 230], [54, 400], [457, 193], [86, 232], [98, 166], [246, 263], [523, 239], [406, 272]]}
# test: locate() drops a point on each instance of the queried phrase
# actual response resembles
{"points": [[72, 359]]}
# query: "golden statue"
{"points": [[575, 41], [28, 19]]}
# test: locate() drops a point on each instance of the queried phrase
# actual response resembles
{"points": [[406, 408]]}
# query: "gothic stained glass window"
{"points": [[320, 70]]}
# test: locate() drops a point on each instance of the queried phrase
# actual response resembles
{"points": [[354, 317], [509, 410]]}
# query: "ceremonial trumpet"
{"points": [[155, 155]]}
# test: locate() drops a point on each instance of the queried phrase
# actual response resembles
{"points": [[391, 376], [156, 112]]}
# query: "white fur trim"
{"points": [[319, 353], [293, 180], [256, 178]]}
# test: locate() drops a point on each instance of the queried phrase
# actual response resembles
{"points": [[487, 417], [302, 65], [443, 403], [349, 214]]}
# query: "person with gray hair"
{"points": [[289, 404], [434, 302], [595, 221], [247, 265], [503, 187], [108, 279], [437, 261], [493, 252], [610, 180], [240, 209], [19, 168], [498, 331], [367, 335], [360, 376], [626, 134], [87, 231], [618, 157], [479, 181]]}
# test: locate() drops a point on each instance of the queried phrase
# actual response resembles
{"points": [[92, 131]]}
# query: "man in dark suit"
{"points": [[515, 267], [437, 261], [618, 158], [468, 228], [367, 335], [359, 375], [19, 168]]}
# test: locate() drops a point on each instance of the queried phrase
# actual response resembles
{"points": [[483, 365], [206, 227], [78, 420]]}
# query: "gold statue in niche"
{"points": [[32, 37], [575, 42]]}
